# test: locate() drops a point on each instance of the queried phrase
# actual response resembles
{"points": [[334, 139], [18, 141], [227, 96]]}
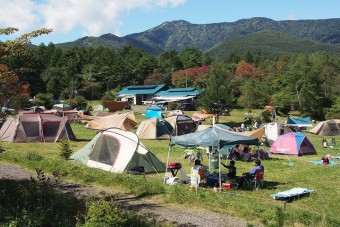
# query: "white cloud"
{"points": [[291, 16], [95, 17]]}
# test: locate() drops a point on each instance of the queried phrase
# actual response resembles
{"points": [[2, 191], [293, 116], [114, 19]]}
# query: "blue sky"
{"points": [[72, 19]]}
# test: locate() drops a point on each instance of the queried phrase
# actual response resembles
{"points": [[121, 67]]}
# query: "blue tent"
{"points": [[299, 122], [154, 112]]}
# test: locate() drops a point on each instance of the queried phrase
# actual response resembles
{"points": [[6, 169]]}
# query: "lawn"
{"points": [[321, 208]]}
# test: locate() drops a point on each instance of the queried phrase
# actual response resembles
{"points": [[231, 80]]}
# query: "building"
{"points": [[141, 94], [177, 94]]}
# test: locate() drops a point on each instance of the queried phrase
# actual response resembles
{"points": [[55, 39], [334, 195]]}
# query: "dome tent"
{"points": [[292, 143], [116, 150]]}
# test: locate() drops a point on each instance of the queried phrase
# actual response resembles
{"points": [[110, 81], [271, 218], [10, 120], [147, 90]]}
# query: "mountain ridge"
{"points": [[180, 34]]}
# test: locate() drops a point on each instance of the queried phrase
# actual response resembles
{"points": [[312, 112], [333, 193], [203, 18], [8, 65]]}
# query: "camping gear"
{"points": [[124, 121], [174, 167], [319, 162], [292, 194], [182, 124], [215, 137], [327, 128], [116, 150], [292, 144], [36, 127], [154, 128]]}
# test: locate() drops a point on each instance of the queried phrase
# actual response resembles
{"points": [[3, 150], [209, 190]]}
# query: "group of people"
{"points": [[245, 176]]}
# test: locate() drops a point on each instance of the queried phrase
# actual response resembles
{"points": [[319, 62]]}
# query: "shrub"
{"points": [[65, 150], [78, 102], [33, 156]]}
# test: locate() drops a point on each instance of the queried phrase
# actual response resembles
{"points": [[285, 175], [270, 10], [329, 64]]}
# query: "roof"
{"points": [[141, 90], [179, 92]]}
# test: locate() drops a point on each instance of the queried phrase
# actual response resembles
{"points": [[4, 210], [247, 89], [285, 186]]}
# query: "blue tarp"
{"points": [[299, 122], [154, 112], [291, 193]]}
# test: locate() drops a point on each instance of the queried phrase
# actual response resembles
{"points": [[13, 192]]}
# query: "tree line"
{"points": [[309, 83]]}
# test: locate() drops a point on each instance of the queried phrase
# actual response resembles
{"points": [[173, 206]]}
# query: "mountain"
{"points": [[181, 34], [270, 43]]}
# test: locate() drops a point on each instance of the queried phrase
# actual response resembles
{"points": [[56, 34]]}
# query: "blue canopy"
{"points": [[154, 112], [299, 122], [216, 136]]}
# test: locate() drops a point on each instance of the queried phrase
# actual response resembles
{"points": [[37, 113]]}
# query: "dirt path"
{"points": [[175, 214]]}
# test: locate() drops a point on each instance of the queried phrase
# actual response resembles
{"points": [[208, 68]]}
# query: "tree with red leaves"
{"points": [[247, 71], [12, 92]]}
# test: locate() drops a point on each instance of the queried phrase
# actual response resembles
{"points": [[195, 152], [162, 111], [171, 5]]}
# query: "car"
{"points": [[188, 107]]}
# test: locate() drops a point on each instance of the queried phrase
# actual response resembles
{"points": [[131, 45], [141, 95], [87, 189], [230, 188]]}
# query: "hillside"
{"points": [[180, 34], [272, 44]]}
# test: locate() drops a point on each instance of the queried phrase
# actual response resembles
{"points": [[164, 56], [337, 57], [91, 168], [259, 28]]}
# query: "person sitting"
{"points": [[231, 169], [199, 169], [325, 160], [251, 174]]}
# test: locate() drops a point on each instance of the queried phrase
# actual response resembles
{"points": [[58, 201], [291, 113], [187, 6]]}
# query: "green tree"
{"points": [[217, 95]]}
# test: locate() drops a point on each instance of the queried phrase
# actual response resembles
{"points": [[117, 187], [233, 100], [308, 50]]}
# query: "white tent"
{"points": [[273, 130], [116, 150]]}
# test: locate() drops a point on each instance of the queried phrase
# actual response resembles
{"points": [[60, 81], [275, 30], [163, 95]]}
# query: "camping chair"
{"points": [[255, 182]]}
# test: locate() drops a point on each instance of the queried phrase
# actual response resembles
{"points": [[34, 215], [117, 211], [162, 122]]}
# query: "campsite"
{"points": [[282, 173]]}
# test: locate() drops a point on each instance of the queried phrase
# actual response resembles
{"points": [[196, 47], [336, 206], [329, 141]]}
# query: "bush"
{"points": [[78, 102], [65, 150], [33, 156]]}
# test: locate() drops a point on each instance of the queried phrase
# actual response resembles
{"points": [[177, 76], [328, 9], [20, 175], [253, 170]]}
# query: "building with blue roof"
{"points": [[143, 94], [140, 94]]}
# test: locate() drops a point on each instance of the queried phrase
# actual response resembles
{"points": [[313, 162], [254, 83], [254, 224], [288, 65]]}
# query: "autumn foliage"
{"points": [[191, 74], [247, 71], [11, 90]]}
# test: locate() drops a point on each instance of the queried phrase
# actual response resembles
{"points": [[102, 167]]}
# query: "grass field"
{"points": [[321, 208]]}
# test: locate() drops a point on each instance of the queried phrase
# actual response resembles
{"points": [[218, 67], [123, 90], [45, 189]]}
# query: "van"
{"points": [[188, 107]]}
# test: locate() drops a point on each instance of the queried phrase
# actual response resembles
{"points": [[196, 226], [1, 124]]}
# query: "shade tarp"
{"points": [[214, 136], [299, 122]]}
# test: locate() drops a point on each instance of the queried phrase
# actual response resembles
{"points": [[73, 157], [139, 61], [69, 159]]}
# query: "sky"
{"points": [[74, 19]]}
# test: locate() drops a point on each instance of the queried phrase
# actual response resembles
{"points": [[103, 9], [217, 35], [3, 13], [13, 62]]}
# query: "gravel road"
{"points": [[175, 214]]}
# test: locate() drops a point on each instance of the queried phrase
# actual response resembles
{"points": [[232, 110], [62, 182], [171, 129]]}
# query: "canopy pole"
{"points": [[219, 171], [167, 163]]}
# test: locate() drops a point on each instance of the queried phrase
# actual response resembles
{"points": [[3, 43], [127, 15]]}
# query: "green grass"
{"points": [[319, 209]]}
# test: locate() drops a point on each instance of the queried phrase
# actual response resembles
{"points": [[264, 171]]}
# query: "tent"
{"points": [[125, 121], [116, 150], [153, 112], [182, 124], [292, 143], [299, 122], [273, 130], [258, 133], [62, 106], [154, 128], [327, 128], [214, 136], [36, 127]]}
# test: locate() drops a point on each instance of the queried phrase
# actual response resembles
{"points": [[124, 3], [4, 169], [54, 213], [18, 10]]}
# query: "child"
{"points": [[231, 168], [325, 161]]}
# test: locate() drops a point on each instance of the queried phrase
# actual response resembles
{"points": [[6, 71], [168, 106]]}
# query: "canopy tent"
{"points": [[125, 121], [292, 144], [258, 133], [154, 128], [116, 150], [327, 128], [214, 136], [36, 127], [299, 122], [153, 112]]}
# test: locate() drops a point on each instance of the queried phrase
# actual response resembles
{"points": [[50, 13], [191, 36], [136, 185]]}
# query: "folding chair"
{"points": [[257, 181]]}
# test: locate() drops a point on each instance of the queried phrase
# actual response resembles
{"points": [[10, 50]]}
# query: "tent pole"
{"points": [[219, 172], [167, 163]]}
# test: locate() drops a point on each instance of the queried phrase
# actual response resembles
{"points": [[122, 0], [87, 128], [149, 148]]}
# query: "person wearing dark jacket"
{"points": [[231, 169]]}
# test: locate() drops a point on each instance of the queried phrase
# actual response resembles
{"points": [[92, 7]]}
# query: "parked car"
{"points": [[188, 107]]}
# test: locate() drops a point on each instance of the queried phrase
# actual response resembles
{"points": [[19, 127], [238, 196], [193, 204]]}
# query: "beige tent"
{"points": [[124, 121], [154, 128], [327, 128], [255, 133], [36, 127], [182, 124]]}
